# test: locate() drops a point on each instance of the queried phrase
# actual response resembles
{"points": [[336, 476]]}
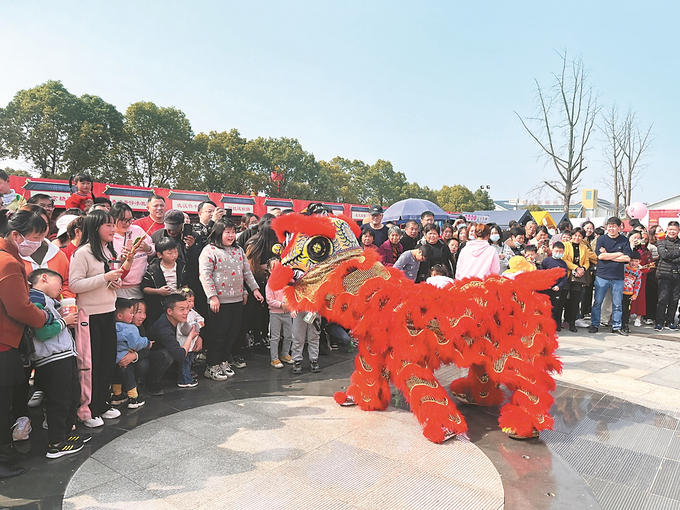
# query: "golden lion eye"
{"points": [[318, 248]]}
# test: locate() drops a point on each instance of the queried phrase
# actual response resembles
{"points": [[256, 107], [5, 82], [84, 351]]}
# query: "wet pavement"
{"points": [[615, 445]]}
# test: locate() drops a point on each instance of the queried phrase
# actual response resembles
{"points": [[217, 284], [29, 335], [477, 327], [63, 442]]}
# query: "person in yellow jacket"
{"points": [[579, 256]]}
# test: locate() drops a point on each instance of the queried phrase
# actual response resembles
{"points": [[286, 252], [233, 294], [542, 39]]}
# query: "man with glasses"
{"points": [[380, 231], [46, 202], [125, 235]]}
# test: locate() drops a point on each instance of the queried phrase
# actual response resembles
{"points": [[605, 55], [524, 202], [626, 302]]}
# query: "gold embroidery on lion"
{"points": [[414, 381]]}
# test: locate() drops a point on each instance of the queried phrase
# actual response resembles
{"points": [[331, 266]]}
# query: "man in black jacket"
{"points": [[668, 275], [166, 348]]}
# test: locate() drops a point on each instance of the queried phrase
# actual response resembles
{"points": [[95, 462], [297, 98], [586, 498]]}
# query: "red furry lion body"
{"points": [[501, 329]]}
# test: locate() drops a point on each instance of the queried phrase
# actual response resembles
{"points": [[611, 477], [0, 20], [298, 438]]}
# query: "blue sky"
{"points": [[430, 86]]}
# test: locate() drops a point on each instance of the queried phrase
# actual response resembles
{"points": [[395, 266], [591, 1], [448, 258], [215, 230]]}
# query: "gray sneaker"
{"points": [[225, 368], [215, 373]]}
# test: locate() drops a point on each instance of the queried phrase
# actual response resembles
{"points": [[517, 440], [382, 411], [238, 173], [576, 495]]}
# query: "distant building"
{"points": [[663, 211], [590, 205]]}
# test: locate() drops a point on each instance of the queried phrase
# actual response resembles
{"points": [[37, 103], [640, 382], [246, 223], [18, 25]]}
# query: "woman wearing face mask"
{"points": [[22, 233], [496, 241]]}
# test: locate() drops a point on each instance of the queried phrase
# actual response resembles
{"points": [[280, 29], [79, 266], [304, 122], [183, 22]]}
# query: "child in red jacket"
{"points": [[82, 199]]}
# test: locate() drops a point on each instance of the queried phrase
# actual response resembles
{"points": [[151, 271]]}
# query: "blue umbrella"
{"points": [[412, 208]]}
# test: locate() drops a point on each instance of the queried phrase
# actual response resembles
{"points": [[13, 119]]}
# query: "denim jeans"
{"points": [[184, 369], [601, 288]]}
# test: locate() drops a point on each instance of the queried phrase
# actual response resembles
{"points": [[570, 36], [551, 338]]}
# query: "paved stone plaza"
{"points": [[268, 439]]}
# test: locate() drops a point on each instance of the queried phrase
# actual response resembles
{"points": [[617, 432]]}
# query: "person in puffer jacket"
{"points": [[55, 364]]}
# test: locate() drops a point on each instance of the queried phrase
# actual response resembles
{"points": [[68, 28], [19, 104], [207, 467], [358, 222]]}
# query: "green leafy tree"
{"points": [[415, 190], [380, 184], [100, 129], [483, 201], [39, 124], [287, 170], [224, 162], [456, 198], [18, 173], [336, 182], [157, 143]]}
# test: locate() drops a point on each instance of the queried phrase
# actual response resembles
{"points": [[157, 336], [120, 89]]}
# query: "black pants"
{"points": [[133, 373], [62, 396], [625, 310], [223, 331], [669, 295], [587, 299], [557, 300], [572, 302], [651, 295], [103, 347], [159, 362]]}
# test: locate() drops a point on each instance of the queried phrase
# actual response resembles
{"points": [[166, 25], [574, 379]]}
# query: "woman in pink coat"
{"points": [[479, 259]]}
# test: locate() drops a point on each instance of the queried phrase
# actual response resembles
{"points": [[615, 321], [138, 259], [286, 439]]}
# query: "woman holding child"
{"points": [[22, 233]]}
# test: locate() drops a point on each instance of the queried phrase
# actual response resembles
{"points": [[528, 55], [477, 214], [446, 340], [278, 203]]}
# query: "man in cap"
{"points": [[380, 231], [174, 228]]}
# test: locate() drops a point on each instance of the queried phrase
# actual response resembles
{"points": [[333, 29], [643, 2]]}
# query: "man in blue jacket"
{"points": [[613, 253]]}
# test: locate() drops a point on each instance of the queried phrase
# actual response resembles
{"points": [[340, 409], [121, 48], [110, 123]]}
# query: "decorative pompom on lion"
{"points": [[501, 329]]}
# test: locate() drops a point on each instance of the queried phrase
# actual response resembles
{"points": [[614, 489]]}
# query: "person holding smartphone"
{"points": [[178, 229], [123, 240]]}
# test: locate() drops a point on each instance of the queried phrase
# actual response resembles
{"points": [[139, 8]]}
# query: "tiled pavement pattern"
{"points": [[604, 452], [285, 452]]}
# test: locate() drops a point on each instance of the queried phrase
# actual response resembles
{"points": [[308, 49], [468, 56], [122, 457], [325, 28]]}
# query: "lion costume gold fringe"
{"points": [[501, 329]]}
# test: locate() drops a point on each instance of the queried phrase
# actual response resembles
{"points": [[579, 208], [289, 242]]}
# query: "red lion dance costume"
{"points": [[501, 329]]}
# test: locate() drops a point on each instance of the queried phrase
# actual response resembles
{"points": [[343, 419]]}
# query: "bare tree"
{"points": [[613, 131], [634, 143], [565, 121]]}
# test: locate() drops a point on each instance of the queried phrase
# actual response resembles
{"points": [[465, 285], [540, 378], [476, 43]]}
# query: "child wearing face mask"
{"points": [[558, 292]]}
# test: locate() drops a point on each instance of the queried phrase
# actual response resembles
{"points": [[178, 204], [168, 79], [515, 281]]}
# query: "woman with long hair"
{"points": [[652, 287], [95, 281], [640, 244], [255, 313], [21, 234], [496, 240]]}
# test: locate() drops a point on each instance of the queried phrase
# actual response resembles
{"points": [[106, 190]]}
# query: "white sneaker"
{"points": [[111, 414], [22, 428], [638, 323], [225, 369], [94, 422], [580, 323], [36, 399]]}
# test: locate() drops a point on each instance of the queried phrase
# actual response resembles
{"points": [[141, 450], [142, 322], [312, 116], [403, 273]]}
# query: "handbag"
{"points": [[583, 279]]}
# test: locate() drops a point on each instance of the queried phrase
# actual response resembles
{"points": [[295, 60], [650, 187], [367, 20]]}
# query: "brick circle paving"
{"points": [[284, 452]]}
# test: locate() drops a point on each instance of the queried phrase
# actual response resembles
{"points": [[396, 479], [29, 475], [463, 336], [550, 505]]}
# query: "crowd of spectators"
{"points": [[97, 305]]}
